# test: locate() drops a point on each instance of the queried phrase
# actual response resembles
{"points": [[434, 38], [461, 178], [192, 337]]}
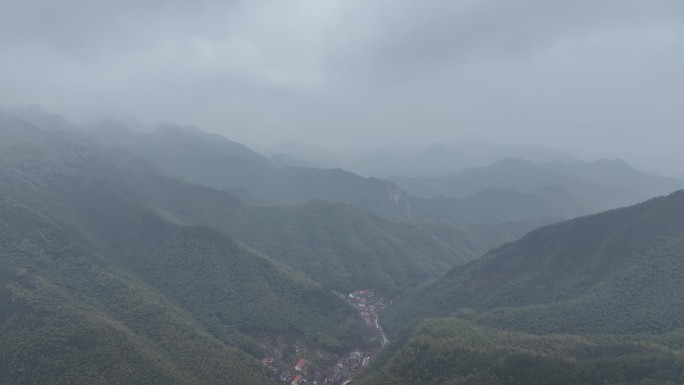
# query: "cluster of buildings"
{"points": [[346, 367], [366, 303], [301, 374], [296, 375]]}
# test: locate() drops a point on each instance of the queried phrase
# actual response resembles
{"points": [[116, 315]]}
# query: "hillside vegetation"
{"points": [[614, 272], [97, 287], [336, 244], [594, 300], [449, 351]]}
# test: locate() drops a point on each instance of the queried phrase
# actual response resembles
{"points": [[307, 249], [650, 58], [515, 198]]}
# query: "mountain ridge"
{"points": [[569, 270]]}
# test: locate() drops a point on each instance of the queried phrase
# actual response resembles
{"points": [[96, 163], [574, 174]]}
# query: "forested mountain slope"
{"points": [[453, 351], [594, 300], [337, 244], [614, 272], [97, 287], [196, 156]]}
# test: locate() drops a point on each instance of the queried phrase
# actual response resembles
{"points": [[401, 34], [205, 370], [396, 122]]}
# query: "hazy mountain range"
{"points": [[104, 258], [438, 159], [198, 157], [129, 255], [598, 185]]}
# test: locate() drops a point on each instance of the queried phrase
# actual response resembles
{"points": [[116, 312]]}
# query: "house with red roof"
{"points": [[296, 380], [300, 365]]}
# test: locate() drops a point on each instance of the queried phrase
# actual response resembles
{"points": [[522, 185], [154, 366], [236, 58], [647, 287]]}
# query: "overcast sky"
{"points": [[597, 77]]}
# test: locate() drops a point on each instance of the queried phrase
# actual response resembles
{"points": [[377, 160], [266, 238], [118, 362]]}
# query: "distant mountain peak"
{"points": [[617, 162], [514, 161]]}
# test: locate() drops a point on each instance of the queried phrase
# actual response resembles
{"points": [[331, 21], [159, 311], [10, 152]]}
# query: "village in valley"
{"points": [[368, 306], [304, 372]]}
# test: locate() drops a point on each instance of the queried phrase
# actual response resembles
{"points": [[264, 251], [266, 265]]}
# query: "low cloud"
{"points": [[599, 78]]}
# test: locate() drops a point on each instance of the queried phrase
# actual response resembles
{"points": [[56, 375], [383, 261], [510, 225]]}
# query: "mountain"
{"points": [[482, 151], [161, 281], [457, 352], [445, 159], [598, 185], [99, 286], [334, 243], [198, 157], [442, 160], [511, 173], [339, 245], [289, 160], [184, 151], [377, 164], [613, 272], [435, 160], [298, 185], [494, 205], [597, 299], [617, 173], [211, 160]]}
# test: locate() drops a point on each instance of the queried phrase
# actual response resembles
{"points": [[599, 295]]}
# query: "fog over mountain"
{"points": [[596, 79], [437, 159], [326, 192]]}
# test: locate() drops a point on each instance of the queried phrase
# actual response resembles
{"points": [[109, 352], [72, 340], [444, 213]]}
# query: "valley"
{"points": [[294, 361], [112, 264], [327, 192]]}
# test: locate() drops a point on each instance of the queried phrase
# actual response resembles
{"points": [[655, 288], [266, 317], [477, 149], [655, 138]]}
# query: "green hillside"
{"points": [[614, 272], [594, 300], [449, 351], [342, 246], [336, 244], [96, 287], [74, 315]]}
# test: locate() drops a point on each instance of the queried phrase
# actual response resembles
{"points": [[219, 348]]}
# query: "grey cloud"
{"points": [[599, 77], [409, 35]]}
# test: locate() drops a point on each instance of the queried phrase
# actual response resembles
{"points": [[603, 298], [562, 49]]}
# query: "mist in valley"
{"points": [[321, 192]]}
